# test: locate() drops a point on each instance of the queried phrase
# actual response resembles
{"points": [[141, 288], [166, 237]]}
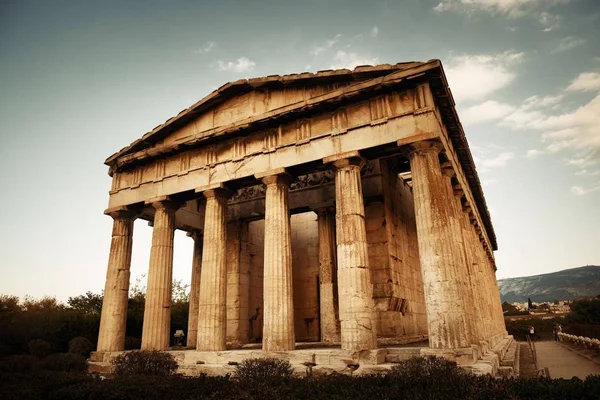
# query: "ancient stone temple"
{"points": [[335, 216]]}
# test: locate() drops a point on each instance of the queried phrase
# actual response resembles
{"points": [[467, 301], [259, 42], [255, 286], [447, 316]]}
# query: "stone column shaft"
{"points": [[111, 336], [212, 306], [157, 311], [329, 318], [192, 333], [357, 319], [446, 312], [278, 326]]}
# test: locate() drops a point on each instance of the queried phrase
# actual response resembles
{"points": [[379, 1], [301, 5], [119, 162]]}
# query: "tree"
{"points": [[89, 303], [506, 306]]}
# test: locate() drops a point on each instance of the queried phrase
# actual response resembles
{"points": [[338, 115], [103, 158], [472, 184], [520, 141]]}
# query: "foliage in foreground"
{"points": [[418, 378], [144, 362]]}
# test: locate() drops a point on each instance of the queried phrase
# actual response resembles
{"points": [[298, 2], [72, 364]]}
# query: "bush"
{"points": [[67, 362], [144, 362], [19, 363], [261, 370], [81, 346], [39, 348]]}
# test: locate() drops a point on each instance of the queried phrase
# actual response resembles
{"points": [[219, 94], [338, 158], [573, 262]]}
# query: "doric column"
{"points": [[157, 311], [212, 306], [192, 333], [446, 313], [111, 336], [330, 328], [459, 253], [278, 327], [472, 267], [357, 319]]}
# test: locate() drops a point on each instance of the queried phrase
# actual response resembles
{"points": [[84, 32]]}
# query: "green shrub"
{"points": [[39, 348], [81, 346], [144, 362], [67, 362], [19, 363], [261, 370]]}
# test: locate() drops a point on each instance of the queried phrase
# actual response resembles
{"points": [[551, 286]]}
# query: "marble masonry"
{"points": [[335, 216]]}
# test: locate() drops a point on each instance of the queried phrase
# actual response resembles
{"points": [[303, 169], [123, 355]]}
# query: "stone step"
{"points": [[395, 355]]}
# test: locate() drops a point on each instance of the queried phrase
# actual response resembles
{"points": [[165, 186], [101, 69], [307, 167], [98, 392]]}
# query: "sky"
{"points": [[80, 80]]}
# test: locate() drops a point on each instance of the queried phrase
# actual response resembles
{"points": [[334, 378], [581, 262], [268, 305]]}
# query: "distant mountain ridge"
{"points": [[567, 284]]}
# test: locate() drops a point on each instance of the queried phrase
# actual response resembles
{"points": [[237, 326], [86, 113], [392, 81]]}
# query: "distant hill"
{"points": [[562, 285]]}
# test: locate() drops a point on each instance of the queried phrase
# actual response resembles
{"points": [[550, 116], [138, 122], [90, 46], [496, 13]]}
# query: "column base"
{"points": [[462, 356]]}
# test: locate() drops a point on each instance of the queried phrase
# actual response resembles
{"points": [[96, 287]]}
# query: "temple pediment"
{"points": [[239, 104]]}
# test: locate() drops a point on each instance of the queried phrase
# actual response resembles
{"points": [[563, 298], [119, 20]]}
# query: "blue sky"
{"points": [[79, 80]]}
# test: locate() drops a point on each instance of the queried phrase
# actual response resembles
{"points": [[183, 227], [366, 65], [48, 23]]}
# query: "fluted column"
{"points": [[157, 311], [357, 319], [446, 313], [473, 271], [278, 326], [111, 336], [212, 306], [192, 333], [462, 280], [330, 328]]}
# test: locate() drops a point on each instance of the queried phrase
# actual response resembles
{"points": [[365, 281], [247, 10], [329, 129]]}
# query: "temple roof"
{"points": [[431, 71]]}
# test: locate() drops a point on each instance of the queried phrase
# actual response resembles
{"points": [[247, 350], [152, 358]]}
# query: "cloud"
{"points": [[549, 21], [490, 110], [585, 82], [533, 153], [581, 191], [499, 161], [510, 8], [567, 43], [473, 77], [242, 64], [374, 31], [208, 46], [490, 156], [349, 60], [536, 101], [316, 50]]}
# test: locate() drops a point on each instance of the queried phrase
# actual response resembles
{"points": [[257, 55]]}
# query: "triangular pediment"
{"points": [[248, 98]]}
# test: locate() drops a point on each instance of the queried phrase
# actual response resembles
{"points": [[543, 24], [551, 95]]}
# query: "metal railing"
{"points": [[539, 372]]}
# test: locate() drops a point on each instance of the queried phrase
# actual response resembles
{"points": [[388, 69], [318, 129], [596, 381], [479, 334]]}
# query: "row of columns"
{"points": [[461, 295]]}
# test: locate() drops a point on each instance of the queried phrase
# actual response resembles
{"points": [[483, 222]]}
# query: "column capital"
{"points": [[274, 177], [122, 212], [423, 147], [346, 159], [164, 203], [214, 190]]}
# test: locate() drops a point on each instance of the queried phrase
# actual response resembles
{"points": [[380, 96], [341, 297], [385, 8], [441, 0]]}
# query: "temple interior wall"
{"points": [[394, 260], [305, 261]]}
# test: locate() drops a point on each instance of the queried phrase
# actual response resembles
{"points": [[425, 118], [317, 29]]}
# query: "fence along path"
{"points": [[564, 363]]}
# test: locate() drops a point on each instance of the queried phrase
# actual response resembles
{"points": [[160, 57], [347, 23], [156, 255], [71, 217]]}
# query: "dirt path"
{"points": [[562, 362]]}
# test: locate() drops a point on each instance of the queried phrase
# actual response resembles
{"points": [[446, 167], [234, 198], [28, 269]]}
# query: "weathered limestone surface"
{"points": [[212, 313], [278, 329], [238, 284], [330, 325], [358, 325], [192, 333], [157, 312], [111, 336], [446, 313]]}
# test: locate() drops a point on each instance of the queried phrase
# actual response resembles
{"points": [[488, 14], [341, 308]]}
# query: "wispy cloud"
{"points": [[473, 77], [323, 47], [374, 32], [585, 82], [582, 191], [490, 156], [568, 43], [343, 59], [534, 153], [490, 110], [549, 21], [510, 8], [208, 46], [242, 64]]}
